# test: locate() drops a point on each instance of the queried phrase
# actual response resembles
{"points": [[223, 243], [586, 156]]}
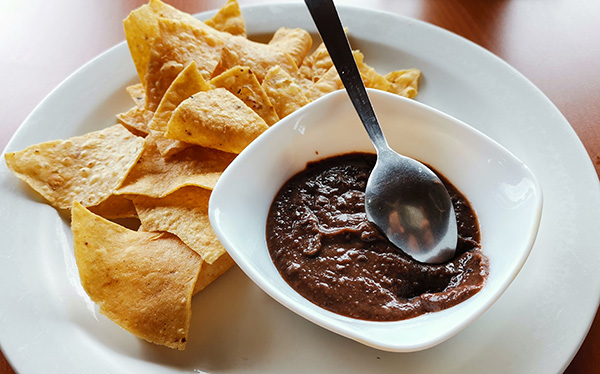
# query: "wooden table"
{"points": [[553, 43]]}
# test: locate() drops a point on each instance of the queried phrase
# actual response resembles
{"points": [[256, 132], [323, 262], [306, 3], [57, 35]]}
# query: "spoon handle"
{"points": [[330, 27]]}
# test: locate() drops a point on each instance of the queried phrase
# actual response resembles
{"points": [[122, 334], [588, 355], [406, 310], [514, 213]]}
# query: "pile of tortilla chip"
{"points": [[206, 91]]}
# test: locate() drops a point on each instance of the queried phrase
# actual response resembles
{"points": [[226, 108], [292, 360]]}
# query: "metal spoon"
{"points": [[404, 198]]}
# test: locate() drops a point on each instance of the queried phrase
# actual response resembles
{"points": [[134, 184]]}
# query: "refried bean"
{"points": [[325, 248]]}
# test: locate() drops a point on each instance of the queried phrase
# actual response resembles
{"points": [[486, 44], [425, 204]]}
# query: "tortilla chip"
{"points": [[404, 82], [315, 65], [285, 94], [183, 213], [142, 281], [115, 207], [229, 19], [331, 81], [158, 176], [136, 120], [371, 78], [168, 147], [87, 168], [242, 82], [141, 28], [259, 57], [162, 10], [137, 94], [297, 42], [176, 46], [215, 119], [187, 83], [210, 272]]}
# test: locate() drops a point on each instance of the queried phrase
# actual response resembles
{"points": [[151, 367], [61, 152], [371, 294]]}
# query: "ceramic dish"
{"points": [[48, 324], [502, 190]]}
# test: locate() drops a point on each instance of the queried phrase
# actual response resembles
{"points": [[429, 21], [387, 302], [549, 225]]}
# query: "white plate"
{"points": [[47, 324]]}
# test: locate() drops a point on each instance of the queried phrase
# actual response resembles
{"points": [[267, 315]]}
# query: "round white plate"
{"points": [[48, 324]]}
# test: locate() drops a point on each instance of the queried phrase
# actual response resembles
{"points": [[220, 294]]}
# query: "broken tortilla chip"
{"points": [[371, 78], [137, 94], [158, 176], [136, 120], [242, 82], [315, 65], [285, 94], [329, 82], [87, 168], [142, 281], [215, 119], [228, 19], [296, 42], [404, 82], [183, 213]]}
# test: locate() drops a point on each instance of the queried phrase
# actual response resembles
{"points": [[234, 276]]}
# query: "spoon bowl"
{"points": [[411, 206], [403, 198]]}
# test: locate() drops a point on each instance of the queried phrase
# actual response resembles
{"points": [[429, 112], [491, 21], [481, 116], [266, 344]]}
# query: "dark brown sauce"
{"points": [[324, 247]]}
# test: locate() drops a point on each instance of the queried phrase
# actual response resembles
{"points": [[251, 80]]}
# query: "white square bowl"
{"points": [[502, 190]]}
